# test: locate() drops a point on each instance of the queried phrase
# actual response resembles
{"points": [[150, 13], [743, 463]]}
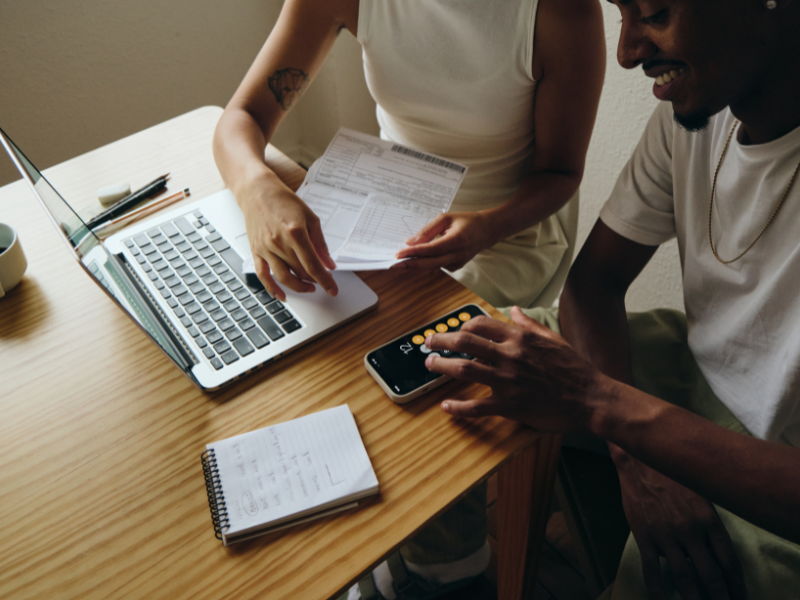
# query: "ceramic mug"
{"points": [[12, 259]]}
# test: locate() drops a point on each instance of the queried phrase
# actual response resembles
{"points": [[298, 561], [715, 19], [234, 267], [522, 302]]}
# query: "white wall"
{"points": [[81, 73]]}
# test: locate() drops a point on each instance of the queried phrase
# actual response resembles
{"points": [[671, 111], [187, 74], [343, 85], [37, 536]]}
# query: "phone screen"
{"points": [[401, 363]]}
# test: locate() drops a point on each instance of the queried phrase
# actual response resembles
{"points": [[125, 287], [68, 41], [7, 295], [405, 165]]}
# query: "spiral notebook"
{"points": [[286, 474]]}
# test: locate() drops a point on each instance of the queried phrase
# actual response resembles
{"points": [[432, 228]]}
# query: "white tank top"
{"points": [[454, 78]]}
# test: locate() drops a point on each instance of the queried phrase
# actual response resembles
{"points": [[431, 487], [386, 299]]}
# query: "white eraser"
{"points": [[111, 193]]}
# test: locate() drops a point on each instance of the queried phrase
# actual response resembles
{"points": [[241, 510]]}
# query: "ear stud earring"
{"points": [[771, 4]]}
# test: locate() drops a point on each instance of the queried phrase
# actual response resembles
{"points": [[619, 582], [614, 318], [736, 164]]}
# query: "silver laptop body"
{"points": [[178, 275]]}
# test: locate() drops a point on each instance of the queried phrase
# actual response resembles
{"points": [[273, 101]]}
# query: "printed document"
{"points": [[372, 194]]}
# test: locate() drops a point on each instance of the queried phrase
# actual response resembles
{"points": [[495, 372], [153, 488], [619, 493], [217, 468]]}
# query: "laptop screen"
{"points": [[97, 261]]}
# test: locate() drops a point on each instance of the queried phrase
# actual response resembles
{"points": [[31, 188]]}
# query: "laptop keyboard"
{"points": [[188, 262]]}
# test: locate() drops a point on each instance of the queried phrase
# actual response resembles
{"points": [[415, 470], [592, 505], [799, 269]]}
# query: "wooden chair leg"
{"points": [[524, 492]]}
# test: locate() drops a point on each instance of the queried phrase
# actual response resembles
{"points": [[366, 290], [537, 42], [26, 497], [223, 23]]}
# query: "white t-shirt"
{"points": [[744, 318]]}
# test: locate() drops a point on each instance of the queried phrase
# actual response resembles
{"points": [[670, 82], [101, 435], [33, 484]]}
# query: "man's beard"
{"points": [[693, 121]]}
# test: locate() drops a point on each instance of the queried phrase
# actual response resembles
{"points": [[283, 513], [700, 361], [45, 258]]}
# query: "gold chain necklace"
{"points": [[714, 191]]}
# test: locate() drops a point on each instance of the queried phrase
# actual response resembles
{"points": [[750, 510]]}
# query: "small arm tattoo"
{"points": [[288, 85]]}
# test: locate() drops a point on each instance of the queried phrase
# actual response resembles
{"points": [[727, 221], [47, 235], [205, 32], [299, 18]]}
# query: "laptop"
{"points": [[179, 276]]}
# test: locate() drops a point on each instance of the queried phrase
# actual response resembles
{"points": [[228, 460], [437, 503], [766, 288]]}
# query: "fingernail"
{"points": [[446, 406], [429, 362]]}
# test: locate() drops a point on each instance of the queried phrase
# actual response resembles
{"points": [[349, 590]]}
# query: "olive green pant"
{"points": [[663, 366]]}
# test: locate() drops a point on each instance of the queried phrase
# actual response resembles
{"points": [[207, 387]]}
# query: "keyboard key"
{"points": [[190, 256], [217, 363], [233, 334], [249, 303], [198, 213], [182, 224], [198, 287], [214, 261], [230, 357], [264, 297], [200, 244], [190, 279], [220, 268], [206, 252], [134, 250], [200, 317], [242, 294], [198, 224], [213, 238], [185, 298], [196, 263], [283, 316], [231, 305], [160, 264], [186, 322], [165, 293], [192, 308], [270, 328], [149, 249], [224, 297], [208, 351], [243, 347], [172, 281], [274, 307], [222, 347], [170, 229], [202, 343], [225, 324], [211, 306], [235, 285], [153, 233], [193, 332], [220, 245], [207, 327], [183, 247], [179, 312], [204, 296], [184, 270], [219, 314], [239, 314], [180, 290], [210, 228], [150, 273], [141, 259], [257, 312], [247, 324], [203, 271], [140, 239], [171, 254], [172, 303], [214, 337], [158, 238], [259, 339], [193, 237], [291, 326], [210, 279]]}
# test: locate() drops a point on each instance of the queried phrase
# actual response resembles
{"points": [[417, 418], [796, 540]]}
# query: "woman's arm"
{"points": [[285, 235], [569, 65]]}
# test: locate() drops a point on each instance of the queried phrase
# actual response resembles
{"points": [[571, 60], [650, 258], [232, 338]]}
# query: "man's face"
{"points": [[704, 55]]}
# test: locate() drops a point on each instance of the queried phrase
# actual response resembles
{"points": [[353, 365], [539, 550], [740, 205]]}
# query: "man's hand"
{"points": [[535, 375], [670, 520], [461, 235]]}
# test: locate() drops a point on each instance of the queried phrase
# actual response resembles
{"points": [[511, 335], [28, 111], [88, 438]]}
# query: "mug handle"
{"points": [[2, 291]]}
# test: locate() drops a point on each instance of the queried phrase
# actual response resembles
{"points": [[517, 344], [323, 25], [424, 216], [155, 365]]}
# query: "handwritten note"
{"points": [[290, 470]]}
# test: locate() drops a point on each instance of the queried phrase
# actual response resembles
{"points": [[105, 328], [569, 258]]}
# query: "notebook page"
{"points": [[292, 469]]}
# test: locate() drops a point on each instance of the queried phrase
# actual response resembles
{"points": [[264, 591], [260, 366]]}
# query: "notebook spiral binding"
{"points": [[216, 501]]}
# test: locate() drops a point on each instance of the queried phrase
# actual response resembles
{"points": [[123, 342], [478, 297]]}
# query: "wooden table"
{"points": [[101, 489]]}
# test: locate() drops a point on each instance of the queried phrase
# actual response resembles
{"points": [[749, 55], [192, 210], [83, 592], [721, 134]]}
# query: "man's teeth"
{"points": [[667, 77]]}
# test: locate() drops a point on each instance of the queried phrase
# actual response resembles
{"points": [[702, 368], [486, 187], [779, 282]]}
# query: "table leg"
{"points": [[524, 492]]}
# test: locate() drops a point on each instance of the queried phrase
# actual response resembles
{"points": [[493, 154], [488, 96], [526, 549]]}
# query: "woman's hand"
{"points": [[286, 240], [461, 236]]}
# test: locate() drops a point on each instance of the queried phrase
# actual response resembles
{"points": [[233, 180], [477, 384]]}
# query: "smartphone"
{"points": [[399, 366]]}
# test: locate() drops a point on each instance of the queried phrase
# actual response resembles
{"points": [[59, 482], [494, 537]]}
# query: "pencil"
{"points": [[108, 228]]}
